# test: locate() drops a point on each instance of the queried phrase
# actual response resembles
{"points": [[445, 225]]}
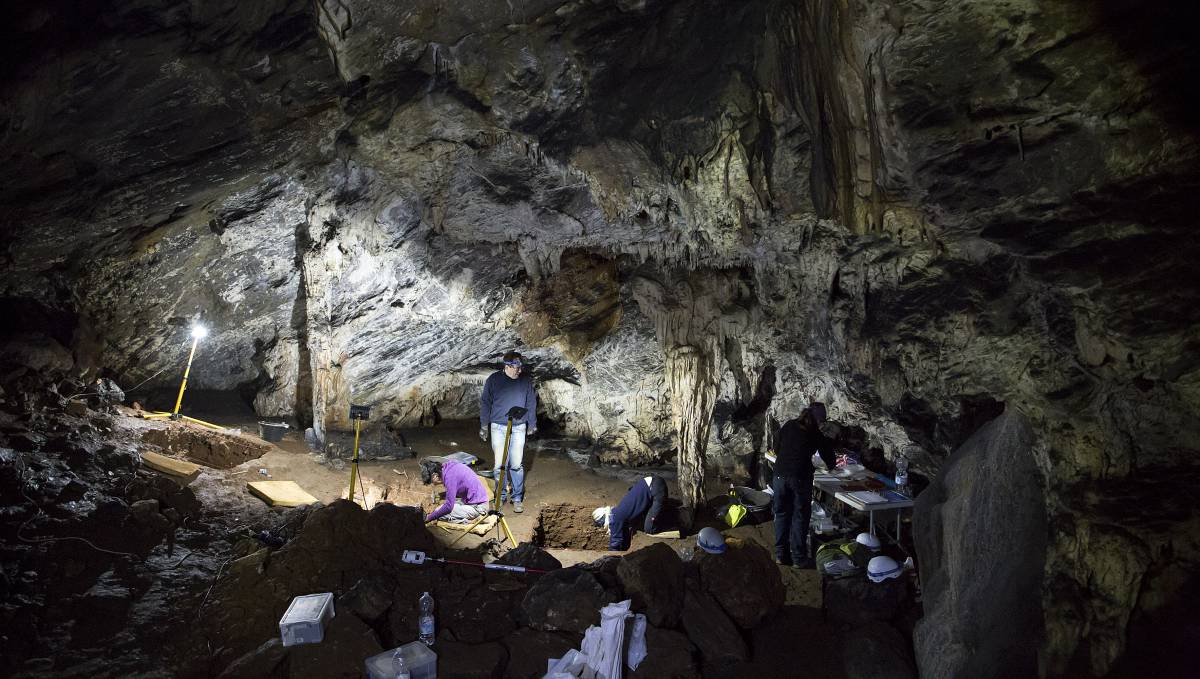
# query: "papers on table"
{"points": [[867, 497]]}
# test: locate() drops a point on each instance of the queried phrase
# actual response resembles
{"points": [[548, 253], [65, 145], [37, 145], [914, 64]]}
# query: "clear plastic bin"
{"points": [[420, 659], [305, 618]]}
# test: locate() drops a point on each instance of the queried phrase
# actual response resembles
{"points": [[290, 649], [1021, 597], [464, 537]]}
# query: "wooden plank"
{"points": [[281, 493], [481, 528], [182, 471]]}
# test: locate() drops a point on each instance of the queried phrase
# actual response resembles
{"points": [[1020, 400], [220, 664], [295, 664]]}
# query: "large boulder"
{"points": [[711, 631], [878, 651], [347, 643], [669, 655], [744, 580], [569, 599], [653, 578], [857, 601], [980, 532], [529, 650], [529, 555], [472, 661], [480, 612]]}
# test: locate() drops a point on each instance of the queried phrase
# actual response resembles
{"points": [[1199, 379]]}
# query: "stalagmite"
{"points": [[692, 378]]}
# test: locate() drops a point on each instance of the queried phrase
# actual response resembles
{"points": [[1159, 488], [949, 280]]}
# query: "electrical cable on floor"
{"points": [[35, 541]]}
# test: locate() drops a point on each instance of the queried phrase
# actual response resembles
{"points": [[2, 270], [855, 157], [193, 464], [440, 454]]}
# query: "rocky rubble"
{"points": [[102, 562], [486, 619]]}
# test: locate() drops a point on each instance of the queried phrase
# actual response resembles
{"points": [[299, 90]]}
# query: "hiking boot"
{"points": [[518, 506], [782, 562]]}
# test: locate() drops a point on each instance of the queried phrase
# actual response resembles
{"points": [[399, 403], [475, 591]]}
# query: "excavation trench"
{"points": [[567, 526], [205, 446]]}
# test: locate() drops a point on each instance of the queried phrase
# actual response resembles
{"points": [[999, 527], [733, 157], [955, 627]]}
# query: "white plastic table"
{"points": [[829, 484]]}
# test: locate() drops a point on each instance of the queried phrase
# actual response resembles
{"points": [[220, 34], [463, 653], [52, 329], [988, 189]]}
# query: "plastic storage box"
{"points": [[420, 659], [272, 431], [305, 618]]}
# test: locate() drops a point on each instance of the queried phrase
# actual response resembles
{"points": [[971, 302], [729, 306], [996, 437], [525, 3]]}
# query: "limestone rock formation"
{"points": [[692, 217], [982, 544]]}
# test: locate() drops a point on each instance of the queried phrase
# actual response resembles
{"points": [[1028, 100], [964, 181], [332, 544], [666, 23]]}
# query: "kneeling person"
{"points": [[644, 499], [466, 498]]}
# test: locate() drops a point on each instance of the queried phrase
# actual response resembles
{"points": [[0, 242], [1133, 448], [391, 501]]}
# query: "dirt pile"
{"points": [[205, 446]]}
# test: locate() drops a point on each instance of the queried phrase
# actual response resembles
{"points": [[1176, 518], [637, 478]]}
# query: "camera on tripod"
{"points": [[360, 412]]}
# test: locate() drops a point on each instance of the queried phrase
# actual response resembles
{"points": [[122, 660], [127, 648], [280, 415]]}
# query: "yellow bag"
{"points": [[735, 514]]}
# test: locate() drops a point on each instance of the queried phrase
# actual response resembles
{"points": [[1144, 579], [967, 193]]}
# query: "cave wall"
{"points": [[918, 212]]}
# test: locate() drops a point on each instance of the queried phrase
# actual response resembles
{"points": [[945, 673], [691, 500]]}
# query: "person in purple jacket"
{"points": [[466, 498], [504, 389]]}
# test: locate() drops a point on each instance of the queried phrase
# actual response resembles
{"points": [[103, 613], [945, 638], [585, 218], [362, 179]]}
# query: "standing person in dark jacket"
{"points": [[644, 499], [504, 389], [798, 439]]}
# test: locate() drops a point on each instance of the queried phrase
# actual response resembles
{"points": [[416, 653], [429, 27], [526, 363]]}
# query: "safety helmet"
{"points": [[883, 567], [869, 541], [600, 516], [710, 540]]}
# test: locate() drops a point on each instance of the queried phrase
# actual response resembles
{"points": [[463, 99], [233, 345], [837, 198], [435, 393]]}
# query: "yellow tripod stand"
{"points": [[516, 412], [198, 333]]}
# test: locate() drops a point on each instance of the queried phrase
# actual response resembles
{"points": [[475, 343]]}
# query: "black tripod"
{"points": [[514, 413]]}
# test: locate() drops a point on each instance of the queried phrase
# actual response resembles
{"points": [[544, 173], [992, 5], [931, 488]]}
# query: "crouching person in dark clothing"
{"points": [[643, 505], [792, 483]]}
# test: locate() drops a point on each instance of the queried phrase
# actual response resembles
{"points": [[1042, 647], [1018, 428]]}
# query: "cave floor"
{"points": [[555, 475]]}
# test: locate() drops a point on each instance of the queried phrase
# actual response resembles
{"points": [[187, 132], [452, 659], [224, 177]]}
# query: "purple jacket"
{"points": [[461, 484]]}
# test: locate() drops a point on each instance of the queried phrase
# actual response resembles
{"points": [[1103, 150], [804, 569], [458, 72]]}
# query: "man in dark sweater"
{"points": [[795, 444], [646, 497], [504, 389]]}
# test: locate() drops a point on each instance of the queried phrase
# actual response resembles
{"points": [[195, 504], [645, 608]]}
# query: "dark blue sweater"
{"points": [[641, 499], [500, 393]]}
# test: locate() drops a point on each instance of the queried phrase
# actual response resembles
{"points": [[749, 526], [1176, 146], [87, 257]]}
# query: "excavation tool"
{"points": [[417, 558], [199, 332], [357, 414], [514, 413]]}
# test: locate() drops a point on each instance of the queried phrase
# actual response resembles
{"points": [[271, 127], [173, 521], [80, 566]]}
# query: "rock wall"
{"points": [[981, 540], [919, 213]]}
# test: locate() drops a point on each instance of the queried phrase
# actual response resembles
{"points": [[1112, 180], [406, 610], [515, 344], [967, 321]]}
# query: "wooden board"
{"points": [[281, 493], [482, 529], [180, 470]]}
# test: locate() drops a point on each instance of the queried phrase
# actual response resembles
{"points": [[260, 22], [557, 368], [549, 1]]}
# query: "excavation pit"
{"points": [[567, 526], [206, 446]]}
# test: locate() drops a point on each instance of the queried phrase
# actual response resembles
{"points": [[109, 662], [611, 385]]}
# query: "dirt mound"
{"points": [[206, 446], [569, 526]]}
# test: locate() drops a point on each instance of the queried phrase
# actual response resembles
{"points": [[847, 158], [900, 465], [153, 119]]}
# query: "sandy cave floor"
{"points": [[552, 478]]}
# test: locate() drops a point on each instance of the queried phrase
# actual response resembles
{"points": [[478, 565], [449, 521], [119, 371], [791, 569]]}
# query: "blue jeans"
{"points": [[516, 453], [792, 505]]}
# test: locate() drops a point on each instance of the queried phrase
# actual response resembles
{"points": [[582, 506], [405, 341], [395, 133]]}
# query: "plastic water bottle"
{"points": [[399, 667], [902, 473], [425, 622]]}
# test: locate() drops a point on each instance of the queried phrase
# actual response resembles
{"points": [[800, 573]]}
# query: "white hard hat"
{"points": [[883, 567], [869, 541], [710, 540]]}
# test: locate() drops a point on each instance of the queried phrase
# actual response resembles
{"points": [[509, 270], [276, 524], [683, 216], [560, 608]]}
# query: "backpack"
{"points": [[841, 558]]}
